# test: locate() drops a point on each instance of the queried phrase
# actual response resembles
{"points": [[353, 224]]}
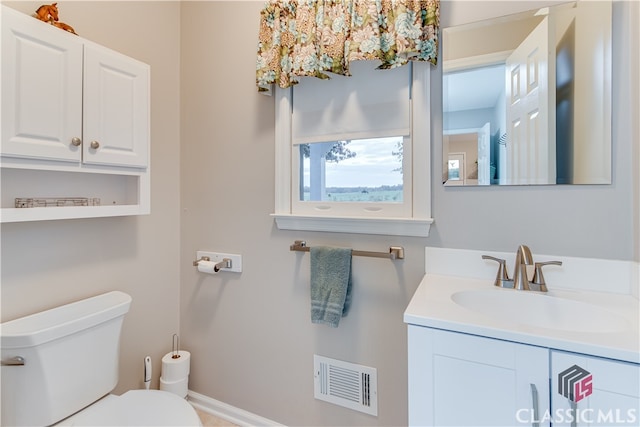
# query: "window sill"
{"points": [[359, 225]]}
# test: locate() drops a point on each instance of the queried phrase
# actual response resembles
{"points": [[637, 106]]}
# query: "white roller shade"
{"points": [[371, 103]]}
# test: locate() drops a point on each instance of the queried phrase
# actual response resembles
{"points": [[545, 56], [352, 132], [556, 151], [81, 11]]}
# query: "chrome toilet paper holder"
{"points": [[225, 263], [203, 258]]}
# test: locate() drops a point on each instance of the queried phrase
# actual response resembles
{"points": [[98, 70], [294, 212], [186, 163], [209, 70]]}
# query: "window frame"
{"points": [[417, 223]]}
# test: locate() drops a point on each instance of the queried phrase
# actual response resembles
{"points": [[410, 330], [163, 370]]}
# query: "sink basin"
{"points": [[540, 310]]}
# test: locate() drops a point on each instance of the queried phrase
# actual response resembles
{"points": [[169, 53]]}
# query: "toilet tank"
{"points": [[70, 359]]}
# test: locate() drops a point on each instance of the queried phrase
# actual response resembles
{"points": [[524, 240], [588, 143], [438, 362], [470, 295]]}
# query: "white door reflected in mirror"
{"points": [[541, 83]]}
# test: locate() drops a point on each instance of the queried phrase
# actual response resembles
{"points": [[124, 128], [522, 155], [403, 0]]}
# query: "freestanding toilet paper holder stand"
{"points": [[175, 347], [225, 263], [175, 370]]}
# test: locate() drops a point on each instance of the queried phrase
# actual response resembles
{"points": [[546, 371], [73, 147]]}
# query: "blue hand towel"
{"points": [[330, 284]]}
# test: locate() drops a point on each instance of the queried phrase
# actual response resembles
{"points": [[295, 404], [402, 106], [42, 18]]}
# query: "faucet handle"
{"points": [[502, 275], [538, 277]]}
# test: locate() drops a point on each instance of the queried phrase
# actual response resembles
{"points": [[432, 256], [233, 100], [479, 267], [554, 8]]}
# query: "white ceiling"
{"points": [[473, 89]]}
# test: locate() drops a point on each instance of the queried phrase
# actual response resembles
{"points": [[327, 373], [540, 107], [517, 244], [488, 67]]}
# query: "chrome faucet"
{"points": [[520, 279]]}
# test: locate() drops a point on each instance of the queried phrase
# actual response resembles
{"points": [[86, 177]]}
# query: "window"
{"points": [[350, 175], [454, 169], [367, 170], [353, 153]]}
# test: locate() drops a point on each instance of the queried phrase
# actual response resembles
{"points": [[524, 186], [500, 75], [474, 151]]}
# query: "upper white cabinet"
{"points": [[116, 108], [75, 122], [41, 90]]}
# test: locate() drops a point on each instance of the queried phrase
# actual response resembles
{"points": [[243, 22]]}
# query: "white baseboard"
{"points": [[230, 413]]}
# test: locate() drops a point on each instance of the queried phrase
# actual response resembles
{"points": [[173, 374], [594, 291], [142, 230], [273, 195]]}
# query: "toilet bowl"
{"points": [[59, 367], [136, 408]]}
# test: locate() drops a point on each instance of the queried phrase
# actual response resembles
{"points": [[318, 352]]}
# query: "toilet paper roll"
{"points": [[207, 267], [180, 387], [175, 369]]}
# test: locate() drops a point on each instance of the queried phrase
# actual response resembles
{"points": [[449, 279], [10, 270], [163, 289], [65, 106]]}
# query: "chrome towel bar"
{"points": [[395, 252]]}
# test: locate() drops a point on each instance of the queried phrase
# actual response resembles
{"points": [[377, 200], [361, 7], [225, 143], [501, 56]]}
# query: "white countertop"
{"points": [[432, 306], [607, 286]]}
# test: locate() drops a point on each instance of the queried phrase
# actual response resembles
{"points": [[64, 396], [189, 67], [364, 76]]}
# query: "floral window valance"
{"points": [[312, 37]]}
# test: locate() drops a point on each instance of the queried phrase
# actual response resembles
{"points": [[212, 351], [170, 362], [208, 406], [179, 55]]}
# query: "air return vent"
{"points": [[346, 384]]}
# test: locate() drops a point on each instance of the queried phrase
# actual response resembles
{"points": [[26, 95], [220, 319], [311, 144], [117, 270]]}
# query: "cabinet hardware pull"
{"points": [[95, 144], [574, 412], [534, 403], [13, 361], [75, 141]]}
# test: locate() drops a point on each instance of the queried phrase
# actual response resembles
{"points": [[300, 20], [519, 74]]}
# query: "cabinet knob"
{"points": [[75, 141], [95, 144]]}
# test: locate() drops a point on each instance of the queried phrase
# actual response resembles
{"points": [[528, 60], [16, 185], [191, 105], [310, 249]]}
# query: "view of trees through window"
{"points": [[364, 170]]}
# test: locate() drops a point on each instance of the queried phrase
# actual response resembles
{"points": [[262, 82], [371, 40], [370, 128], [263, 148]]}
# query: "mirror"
{"points": [[527, 98]]}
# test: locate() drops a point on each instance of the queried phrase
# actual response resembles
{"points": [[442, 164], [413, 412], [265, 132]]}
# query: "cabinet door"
{"points": [[116, 109], [594, 391], [464, 380], [41, 89]]}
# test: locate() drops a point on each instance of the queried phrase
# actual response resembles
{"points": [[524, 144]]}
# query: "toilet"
{"points": [[59, 367]]}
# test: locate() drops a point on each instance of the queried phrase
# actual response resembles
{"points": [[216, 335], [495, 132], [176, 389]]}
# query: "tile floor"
{"points": [[209, 420]]}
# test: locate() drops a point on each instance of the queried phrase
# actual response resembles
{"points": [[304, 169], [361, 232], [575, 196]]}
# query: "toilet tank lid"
{"points": [[64, 320]]}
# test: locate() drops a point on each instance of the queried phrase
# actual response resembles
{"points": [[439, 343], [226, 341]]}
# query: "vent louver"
{"points": [[346, 384]]}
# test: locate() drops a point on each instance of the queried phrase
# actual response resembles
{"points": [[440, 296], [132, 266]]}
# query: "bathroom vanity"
{"points": [[485, 355]]}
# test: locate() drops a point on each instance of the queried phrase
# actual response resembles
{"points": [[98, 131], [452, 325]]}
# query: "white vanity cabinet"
{"points": [[465, 380], [457, 379], [611, 391], [482, 355], [75, 123]]}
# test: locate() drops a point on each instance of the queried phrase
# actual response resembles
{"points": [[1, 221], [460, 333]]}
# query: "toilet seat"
{"points": [[137, 408]]}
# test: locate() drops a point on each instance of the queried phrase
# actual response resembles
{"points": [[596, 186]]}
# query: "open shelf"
{"points": [[121, 193]]}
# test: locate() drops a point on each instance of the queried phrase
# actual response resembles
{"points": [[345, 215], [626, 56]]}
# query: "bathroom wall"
{"points": [[250, 333], [49, 263]]}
